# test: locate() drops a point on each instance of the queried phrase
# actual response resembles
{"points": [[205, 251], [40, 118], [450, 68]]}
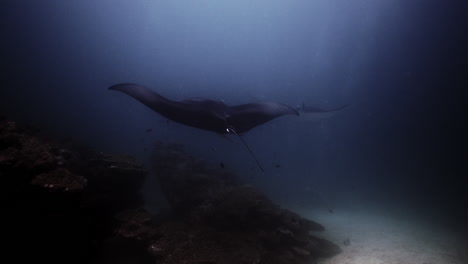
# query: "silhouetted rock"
{"points": [[60, 204], [186, 181], [219, 221], [115, 182], [24, 153], [60, 180], [74, 205]]}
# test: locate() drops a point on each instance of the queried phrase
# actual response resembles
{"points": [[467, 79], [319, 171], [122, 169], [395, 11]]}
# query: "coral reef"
{"points": [[221, 221], [68, 204], [60, 202]]}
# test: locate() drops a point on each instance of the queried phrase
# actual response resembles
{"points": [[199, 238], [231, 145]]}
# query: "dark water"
{"points": [[400, 65]]}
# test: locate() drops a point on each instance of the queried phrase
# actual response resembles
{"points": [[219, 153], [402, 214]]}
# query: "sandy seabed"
{"points": [[386, 238]]}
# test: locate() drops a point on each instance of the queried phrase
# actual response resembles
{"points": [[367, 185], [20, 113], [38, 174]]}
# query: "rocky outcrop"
{"points": [[67, 204], [218, 220], [60, 204]]}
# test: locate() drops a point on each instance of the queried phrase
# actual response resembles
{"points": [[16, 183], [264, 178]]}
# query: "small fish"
{"points": [[149, 130], [347, 242], [277, 166], [330, 210], [221, 165]]}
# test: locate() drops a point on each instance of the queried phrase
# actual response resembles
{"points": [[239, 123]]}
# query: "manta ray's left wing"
{"points": [[244, 117]]}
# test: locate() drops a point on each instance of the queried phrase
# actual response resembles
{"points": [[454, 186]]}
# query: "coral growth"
{"points": [[70, 205], [221, 221]]}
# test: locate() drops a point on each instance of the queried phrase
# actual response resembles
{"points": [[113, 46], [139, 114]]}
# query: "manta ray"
{"points": [[207, 114], [212, 115]]}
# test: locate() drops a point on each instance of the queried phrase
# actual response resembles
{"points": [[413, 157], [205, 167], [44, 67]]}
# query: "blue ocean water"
{"points": [[398, 65]]}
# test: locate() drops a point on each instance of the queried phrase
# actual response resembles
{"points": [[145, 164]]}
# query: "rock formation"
{"points": [[217, 220], [60, 204], [67, 204]]}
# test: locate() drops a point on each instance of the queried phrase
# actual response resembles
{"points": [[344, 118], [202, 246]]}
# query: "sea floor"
{"points": [[386, 237]]}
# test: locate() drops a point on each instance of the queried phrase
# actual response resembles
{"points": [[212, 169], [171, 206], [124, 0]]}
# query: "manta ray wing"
{"points": [[199, 113], [247, 116]]}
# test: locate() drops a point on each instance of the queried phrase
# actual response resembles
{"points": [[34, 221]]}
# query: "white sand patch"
{"points": [[383, 238]]}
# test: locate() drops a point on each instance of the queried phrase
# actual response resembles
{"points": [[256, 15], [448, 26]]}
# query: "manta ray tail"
{"points": [[251, 153]]}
